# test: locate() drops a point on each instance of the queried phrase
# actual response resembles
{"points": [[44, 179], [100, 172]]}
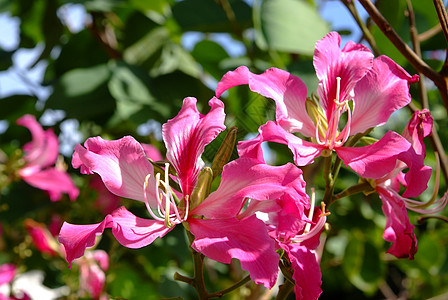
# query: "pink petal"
{"points": [[418, 175], [105, 202], [42, 238], [287, 90], [43, 150], [91, 279], [376, 160], [307, 274], [398, 230], [7, 273], [419, 127], [350, 64], [102, 258], [122, 165], [304, 152], [152, 152], [54, 181], [247, 178], [245, 240], [129, 230], [186, 136], [383, 90]]}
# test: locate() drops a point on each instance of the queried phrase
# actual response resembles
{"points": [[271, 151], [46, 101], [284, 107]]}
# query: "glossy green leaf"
{"points": [[209, 16], [210, 54], [290, 26], [83, 94]]}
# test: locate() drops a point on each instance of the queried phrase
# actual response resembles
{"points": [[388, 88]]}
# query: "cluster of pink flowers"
{"points": [[41, 169], [225, 223]]}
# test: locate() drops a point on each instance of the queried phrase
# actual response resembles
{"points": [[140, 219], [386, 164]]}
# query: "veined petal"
{"points": [[330, 62], [287, 90], [245, 240], [122, 165], [398, 230], [304, 152], [186, 136], [307, 274], [129, 230], [383, 90], [43, 150], [54, 181], [248, 178], [418, 175], [375, 160]]}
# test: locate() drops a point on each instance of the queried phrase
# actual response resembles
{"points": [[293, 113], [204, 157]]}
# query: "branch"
{"points": [[404, 49], [365, 30]]}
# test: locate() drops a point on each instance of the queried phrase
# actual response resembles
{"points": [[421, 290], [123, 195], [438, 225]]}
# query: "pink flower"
{"points": [[40, 156], [399, 230], [215, 221], [375, 87], [42, 238], [92, 277], [7, 273]]}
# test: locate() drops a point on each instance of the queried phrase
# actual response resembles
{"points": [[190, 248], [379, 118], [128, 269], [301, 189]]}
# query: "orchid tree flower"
{"points": [[352, 84], [92, 277], [211, 217], [40, 157], [399, 230]]}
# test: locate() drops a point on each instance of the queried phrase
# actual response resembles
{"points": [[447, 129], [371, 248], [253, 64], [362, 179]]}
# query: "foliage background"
{"points": [[126, 72]]}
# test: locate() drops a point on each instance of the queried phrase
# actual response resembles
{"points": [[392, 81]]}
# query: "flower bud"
{"points": [[202, 188]]}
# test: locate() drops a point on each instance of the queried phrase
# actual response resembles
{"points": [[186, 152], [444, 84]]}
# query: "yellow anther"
{"points": [[322, 208]]}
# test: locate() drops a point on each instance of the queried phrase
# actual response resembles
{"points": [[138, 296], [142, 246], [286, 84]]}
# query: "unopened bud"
{"points": [[316, 114], [202, 188], [224, 152]]}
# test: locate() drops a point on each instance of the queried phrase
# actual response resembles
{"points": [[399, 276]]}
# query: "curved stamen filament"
{"points": [[148, 207], [311, 213]]}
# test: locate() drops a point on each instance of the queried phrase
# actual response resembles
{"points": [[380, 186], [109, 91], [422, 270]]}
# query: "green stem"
{"points": [[329, 180], [355, 189], [284, 290], [230, 289]]}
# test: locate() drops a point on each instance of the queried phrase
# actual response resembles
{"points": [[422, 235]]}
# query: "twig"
{"points": [[365, 30], [404, 49], [417, 49]]}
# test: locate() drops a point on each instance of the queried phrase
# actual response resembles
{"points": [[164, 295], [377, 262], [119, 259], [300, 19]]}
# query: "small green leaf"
{"points": [[290, 26]]}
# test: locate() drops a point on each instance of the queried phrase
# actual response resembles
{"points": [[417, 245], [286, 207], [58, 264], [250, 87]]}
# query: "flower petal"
{"points": [[186, 136], [304, 152], [398, 230], [307, 274], [383, 90], [129, 230], [43, 150], [247, 178], [375, 160], [122, 165], [54, 181], [7, 273], [419, 127], [245, 240], [287, 90], [330, 62]]}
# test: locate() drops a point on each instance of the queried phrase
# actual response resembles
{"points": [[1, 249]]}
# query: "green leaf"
{"points": [[290, 26], [5, 59], [362, 263], [83, 94], [16, 106], [129, 86], [208, 16], [210, 54]]}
